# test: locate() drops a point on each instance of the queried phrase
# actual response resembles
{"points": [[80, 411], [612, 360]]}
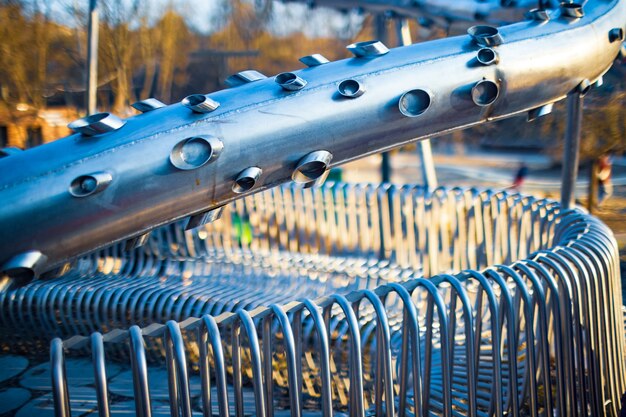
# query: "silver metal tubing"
{"points": [[200, 103], [290, 81], [289, 124], [247, 179], [314, 60], [147, 105], [571, 149], [323, 321], [97, 124], [244, 77], [368, 49]]}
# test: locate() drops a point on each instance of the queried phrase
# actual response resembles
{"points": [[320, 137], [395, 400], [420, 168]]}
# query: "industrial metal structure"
{"points": [[371, 300]]}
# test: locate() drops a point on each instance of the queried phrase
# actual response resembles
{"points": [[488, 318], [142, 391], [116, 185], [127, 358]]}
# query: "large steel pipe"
{"points": [[119, 179]]}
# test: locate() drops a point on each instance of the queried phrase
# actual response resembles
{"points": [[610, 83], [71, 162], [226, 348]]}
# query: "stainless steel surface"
{"points": [[522, 293], [255, 120], [571, 148]]}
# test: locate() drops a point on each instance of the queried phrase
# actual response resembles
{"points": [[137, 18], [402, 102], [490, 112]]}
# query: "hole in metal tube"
{"points": [[311, 167], [350, 89], [616, 34], [414, 102], [97, 124], [199, 103], [247, 179], [485, 92], [23, 268], [572, 10], [487, 56], [368, 49], [86, 185], [485, 35], [290, 81], [194, 152]]}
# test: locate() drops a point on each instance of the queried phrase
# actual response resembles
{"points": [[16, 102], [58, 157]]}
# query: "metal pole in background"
{"points": [[571, 152], [380, 30], [92, 57], [424, 150]]}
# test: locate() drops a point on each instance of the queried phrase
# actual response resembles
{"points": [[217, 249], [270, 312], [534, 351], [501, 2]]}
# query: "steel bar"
{"points": [[92, 57], [119, 179], [571, 149]]}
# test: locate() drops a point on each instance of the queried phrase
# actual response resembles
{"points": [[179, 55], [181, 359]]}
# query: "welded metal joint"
{"points": [[247, 179], [97, 124], [200, 103], [539, 112], [351, 89], [368, 49], [194, 152], [86, 185], [314, 60], [584, 87], [484, 35], [290, 81], [311, 167]]}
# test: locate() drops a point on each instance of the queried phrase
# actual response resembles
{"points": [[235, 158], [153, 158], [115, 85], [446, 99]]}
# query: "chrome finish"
{"points": [[90, 184], [97, 124], [616, 35], [365, 329], [23, 268], [571, 10], [368, 49], [203, 218], [350, 89], [200, 103], [314, 60], [487, 56], [290, 81], [247, 179], [540, 15], [148, 104], [136, 242], [192, 153], [485, 92], [311, 167], [260, 126], [244, 77], [414, 102], [539, 112], [484, 35]]}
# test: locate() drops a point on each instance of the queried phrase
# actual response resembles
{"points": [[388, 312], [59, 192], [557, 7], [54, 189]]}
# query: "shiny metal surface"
{"points": [[520, 290], [257, 119], [522, 294]]}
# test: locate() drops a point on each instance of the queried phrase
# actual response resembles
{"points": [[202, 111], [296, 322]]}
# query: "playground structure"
{"points": [[354, 298]]}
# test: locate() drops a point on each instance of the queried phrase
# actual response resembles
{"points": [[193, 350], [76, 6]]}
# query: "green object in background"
{"points": [[335, 174], [243, 230]]}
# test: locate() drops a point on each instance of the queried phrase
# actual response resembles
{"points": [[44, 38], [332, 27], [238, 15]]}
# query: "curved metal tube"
{"points": [[146, 191]]}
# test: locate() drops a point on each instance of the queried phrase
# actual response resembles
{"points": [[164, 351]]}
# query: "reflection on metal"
{"points": [[351, 89], [311, 167], [148, 104], [192, 153], [522, 294], [97, 124], [487, 56], [247, 179], [90, 184], [273, 130], [244, 77], [203, 218], [290, 81], [540, 15], [200, 103], [314, 60], [572, 10], [368, 49], [414, 102], [137, 242], [23, 268], [485, 35], [539, 112]]}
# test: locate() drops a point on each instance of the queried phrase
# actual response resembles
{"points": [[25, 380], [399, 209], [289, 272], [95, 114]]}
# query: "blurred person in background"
{"points": [[603, 174], [520, 177]]}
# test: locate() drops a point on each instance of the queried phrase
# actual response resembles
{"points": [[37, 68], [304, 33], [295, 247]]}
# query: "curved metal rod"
{"points": [[209, 335], [178, 381], [60, 394]]}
